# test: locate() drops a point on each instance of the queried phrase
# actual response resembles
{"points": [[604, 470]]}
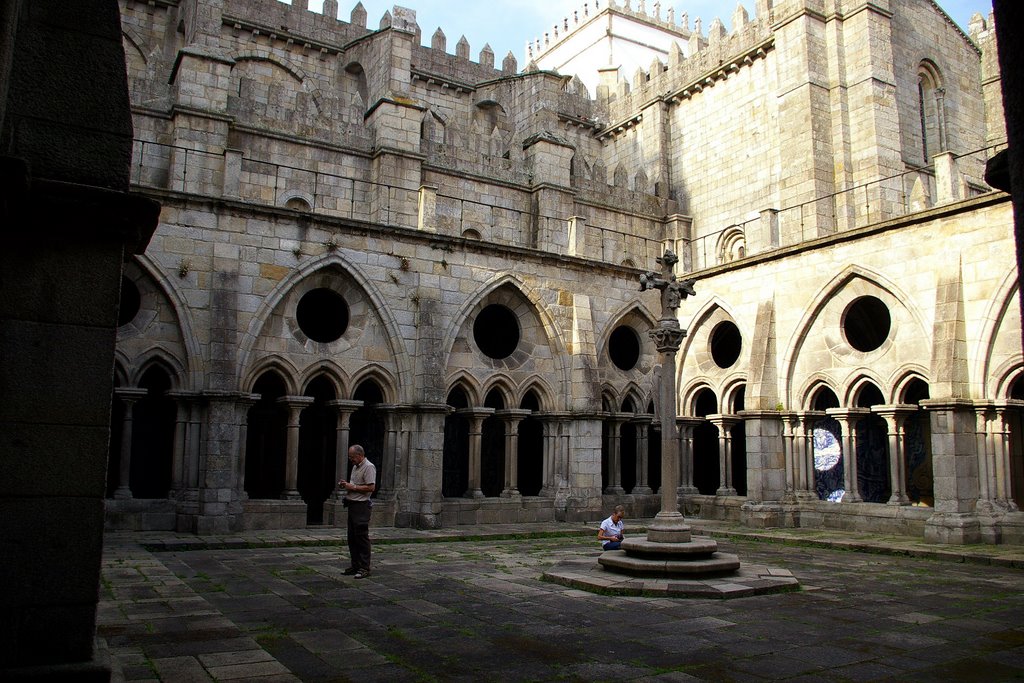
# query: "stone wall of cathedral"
{"points": [[367, 238]]}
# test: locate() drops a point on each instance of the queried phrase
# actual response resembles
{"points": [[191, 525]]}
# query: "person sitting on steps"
{"points": [[610, 533]]}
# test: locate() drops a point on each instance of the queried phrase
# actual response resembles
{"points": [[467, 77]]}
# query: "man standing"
{"points": [[362, 483]]}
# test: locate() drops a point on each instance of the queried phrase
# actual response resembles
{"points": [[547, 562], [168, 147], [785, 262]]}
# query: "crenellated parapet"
{"points": [[570, 25], [711, 60]]}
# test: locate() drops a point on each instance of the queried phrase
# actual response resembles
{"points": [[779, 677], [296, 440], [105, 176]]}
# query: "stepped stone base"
{"points": [[585, 574], [715, 564]]}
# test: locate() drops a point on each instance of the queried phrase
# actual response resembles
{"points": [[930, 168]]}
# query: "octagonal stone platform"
{"points": [[586, 574]]}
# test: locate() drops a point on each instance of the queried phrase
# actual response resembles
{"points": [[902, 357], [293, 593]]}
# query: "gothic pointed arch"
{"points": [[540, 389], [999, 342], [500, 386], [828, 322], [468, 385], [904, 378], [733, 394], [382, 377], [625, 349], [692, 394], [326, 368], [160, 357], [609, 399], [700, 349], [162, 321], [277, 365], [505, 327], [370, 331]]}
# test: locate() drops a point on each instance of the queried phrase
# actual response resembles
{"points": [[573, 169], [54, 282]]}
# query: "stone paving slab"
{"points": [[471, 606]]}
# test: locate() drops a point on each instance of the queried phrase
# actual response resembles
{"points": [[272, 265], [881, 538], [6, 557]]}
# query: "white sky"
{"points": [[506, 25]]}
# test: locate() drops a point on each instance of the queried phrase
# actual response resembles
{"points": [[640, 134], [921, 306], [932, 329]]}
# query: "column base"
{"points": [[955, 528], [123, 493], [474, 493], [642, 490], [726, 491], [668, 527]]}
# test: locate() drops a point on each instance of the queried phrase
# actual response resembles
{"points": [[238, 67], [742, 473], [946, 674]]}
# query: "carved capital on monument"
{"points": [[667, 339]]}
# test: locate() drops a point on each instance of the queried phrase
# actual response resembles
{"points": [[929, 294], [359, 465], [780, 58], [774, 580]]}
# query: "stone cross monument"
{"points": [[669, 525]]}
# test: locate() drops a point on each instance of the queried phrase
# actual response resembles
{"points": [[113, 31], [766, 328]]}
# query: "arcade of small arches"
{"points": [[506, 441]]}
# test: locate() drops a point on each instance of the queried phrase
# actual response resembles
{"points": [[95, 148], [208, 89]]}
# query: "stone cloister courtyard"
{"points": [[469, 604]]}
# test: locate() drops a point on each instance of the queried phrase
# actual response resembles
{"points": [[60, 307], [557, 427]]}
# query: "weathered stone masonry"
{"points": [[366, 239]]}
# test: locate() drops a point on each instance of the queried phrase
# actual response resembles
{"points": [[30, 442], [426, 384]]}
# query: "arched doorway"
{"points": [[1016, 426], [153, 420], [828, 451], [872, 449], [917, 447], [455, 456], [627, 449], [266, 440], [368, 426], [738, 438], [706, 475], [492, 448], [317, 446], [530, 448]]}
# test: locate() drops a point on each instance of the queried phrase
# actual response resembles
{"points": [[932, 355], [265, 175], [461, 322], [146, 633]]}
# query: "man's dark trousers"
{"points": [[359, 533]]}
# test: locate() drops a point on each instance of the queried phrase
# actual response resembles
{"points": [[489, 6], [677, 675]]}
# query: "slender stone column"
{"points": [[986, 471], [344, 408], [805, 453], [390, 455], [686, 425], [245, 401], [792, 455], [194, 445], [512, 417], [128, 396], [182, 402], [615, 420], [849, 418], [552, 454], [725, 424], [1004, 486], [895, 417], [476, 417], [669, 525], [643, 454], [295, 406]]}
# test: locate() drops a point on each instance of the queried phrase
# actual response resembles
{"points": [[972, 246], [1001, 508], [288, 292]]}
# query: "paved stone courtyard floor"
{"points": [[468, 604]]}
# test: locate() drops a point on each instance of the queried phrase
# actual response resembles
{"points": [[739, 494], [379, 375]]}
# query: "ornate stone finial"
{"points": [[330, 9], [358, 16], [462, 48], [509, 64], [673, 291], [487, 56], [439, 41], [385, 21]]}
